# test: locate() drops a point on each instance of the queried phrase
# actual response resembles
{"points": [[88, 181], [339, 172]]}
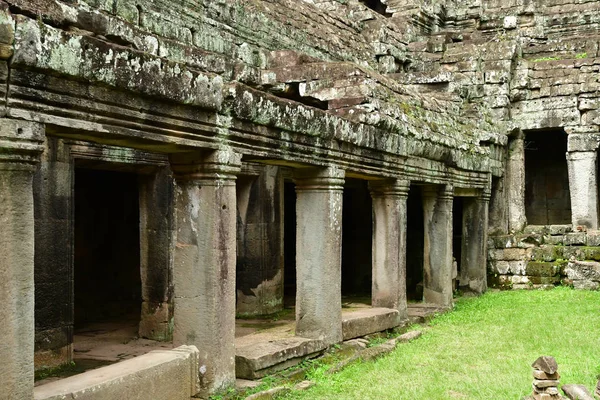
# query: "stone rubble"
{"points": [[545, 379]]}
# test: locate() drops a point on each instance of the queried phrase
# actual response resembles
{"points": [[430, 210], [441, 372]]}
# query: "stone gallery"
{"points": [[166, 166]]}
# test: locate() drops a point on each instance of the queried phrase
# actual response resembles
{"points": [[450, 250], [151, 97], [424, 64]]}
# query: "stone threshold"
{"points": [[272, 350], [165, 374], [365, 321]]}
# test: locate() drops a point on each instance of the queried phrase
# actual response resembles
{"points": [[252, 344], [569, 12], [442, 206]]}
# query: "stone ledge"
{"points": [[167, 375], [369, 320], [261, 358]]}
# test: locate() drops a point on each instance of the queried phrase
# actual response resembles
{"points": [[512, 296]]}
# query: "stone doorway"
{"points": [[289, 244], [415, 245], [357, 234], [107, 280], [457, 239], [547, 197]]}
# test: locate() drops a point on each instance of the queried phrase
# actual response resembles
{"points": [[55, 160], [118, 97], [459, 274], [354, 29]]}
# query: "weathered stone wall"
{"points": [[534, 63], [545, 256]]}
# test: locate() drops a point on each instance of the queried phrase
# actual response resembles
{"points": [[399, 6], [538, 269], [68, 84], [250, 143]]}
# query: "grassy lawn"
{"points": [[482, 350]]}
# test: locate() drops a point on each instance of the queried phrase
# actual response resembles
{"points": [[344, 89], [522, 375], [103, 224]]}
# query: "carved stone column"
{"points": [[389, 244], [515, 183], [204, 265], [20, 147], [318, 253], [437, 265], [583, 187], [474, 244]]}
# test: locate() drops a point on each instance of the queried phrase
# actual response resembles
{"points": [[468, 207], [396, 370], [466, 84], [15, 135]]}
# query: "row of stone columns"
{"points": [[205, 254]]}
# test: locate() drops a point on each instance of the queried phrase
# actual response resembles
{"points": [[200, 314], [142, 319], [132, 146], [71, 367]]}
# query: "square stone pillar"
{"points": [[583, 187], [20, 147], [204, 264], [515, 183], [437, 264], [389, 245], [473, 271], [156, 255], [319, 253]]}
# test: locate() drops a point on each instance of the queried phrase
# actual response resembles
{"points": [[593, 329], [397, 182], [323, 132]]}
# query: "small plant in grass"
{"points": [[376, 341]]}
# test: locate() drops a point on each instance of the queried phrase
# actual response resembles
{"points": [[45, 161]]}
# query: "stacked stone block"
{"points": [[545, 379]]}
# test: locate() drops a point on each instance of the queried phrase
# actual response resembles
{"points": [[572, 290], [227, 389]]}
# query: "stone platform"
{"points": [[368, 320], [274, 348], [271, 350]]}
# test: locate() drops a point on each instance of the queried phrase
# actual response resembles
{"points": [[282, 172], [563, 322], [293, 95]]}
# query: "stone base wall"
{"points": [[545, 256]]}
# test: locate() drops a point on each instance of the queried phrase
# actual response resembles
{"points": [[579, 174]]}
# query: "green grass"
{"points": [[482, 350]]}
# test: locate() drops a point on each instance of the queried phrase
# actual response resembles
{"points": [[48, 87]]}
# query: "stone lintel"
{"points": [[582, 142]]}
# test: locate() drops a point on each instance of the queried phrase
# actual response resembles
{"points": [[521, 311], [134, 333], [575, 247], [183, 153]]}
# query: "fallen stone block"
{"points": [[577, 392], [408, 336], [268, 394]]}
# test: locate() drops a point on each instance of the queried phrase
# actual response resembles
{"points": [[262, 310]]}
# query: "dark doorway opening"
{"points": [[415, 245], [377, 6], [107, 247], [357, 236], [289, 244], [457, 238], [547, 198]]}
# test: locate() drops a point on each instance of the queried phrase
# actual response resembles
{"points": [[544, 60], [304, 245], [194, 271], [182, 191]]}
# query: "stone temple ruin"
{"points": [[170, 165]]}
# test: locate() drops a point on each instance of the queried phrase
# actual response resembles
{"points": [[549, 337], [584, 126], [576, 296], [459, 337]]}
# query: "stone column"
{"points": [[156, 255], [515, 183], [204, 264], [20, 146], [389, 245], [318, 253], [437, 264], [473, 271], [583, 187]]}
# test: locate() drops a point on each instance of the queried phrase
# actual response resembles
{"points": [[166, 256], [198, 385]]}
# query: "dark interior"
{"points": [[457, 231], [547, 198], [107, 250], [357, 233], [415, 245], [289, 243]]}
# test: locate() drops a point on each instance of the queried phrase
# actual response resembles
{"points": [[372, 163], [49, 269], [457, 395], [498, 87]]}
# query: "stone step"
{"points": [[368, 320], [256, 359]]}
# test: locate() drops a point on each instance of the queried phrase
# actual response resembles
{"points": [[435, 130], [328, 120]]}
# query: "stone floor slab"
{"points": [[368, 320], [258, 358]]}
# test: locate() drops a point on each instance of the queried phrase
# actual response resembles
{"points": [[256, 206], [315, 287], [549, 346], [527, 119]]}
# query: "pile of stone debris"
{"points": [[546, 381]]}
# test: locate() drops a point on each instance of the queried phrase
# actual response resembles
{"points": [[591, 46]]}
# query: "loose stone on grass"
{"points": [[577, 392], [268, 394], [545, 382]]}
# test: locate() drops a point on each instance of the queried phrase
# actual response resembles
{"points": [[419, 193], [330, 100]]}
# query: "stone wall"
{"points": [[545, 256]]}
